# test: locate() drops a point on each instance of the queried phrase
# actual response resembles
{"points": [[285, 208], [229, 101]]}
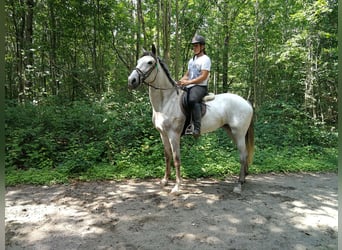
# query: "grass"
{"points": [[83, 141], [197, 162]]}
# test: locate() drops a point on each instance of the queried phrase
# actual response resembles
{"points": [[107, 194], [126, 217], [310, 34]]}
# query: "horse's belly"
{"points": [[211, 122], [227, 109]]}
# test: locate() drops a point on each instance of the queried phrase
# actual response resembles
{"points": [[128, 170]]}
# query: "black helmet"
{"points": [[198, 39]]}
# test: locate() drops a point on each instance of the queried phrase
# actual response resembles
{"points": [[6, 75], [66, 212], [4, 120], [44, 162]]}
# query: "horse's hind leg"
{"points": [[241, 145]]}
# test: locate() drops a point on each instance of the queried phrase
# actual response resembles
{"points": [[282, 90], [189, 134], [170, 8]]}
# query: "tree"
{"points": [[265, 51]]}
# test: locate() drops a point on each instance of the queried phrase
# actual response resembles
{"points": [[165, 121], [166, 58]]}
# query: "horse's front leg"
{"points": [[168, 157], [175, 146], [172, 151], [176, 188]]}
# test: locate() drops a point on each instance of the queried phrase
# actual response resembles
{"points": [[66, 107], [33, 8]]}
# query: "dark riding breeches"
{"points": [[195, 96]]}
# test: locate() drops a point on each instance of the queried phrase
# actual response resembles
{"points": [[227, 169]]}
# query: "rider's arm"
{"points": [[185, 77], [203, 76]]}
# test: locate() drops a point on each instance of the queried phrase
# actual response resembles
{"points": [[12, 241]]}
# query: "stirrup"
{"points": [[189, 129]]}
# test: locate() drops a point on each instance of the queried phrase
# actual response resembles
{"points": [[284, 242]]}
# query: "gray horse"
{"points": [[228, 111]]}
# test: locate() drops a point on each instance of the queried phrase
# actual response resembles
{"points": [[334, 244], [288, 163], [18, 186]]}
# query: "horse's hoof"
{"points": [[237, 189], [163, 182], [175, 190]]}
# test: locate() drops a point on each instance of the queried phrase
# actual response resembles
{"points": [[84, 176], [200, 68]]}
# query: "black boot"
{"points": [[196, 117]]}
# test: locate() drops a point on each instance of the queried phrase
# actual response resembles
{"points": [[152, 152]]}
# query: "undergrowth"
{"points": [[114, 139]]}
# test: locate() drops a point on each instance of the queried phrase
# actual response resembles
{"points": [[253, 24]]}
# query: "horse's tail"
{"points": [[250, 142]]}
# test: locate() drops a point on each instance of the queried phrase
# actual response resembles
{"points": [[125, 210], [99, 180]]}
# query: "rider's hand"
{"points": [[183, 82]]}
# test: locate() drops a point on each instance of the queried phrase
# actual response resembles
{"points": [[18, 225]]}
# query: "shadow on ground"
{"points": [[297, 211]]}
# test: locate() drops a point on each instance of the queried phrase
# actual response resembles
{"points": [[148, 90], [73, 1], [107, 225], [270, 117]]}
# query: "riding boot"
{"points": [[196, 117]]}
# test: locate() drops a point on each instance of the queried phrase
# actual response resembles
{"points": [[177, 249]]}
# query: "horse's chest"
{"points": [[163, 122], [160, 121]]}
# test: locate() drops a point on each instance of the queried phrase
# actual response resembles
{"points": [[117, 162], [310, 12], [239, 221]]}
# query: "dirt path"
{"points": [[297, 211]]}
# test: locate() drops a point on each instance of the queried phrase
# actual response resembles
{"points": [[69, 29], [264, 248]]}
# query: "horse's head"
{"points": [[143, 71]]}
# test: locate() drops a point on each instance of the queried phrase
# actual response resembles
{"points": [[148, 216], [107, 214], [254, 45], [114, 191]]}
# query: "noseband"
{"points": [[144, 75]]}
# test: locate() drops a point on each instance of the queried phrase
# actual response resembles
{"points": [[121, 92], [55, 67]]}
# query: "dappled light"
{"points": [[297, 211], [84, 164]]}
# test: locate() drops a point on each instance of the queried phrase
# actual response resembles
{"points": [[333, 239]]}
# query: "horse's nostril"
{"points": [[132, 80]]}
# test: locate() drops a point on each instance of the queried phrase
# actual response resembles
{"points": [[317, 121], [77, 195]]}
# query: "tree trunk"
{"points": [[29, 32], [225, 60], [141, 22], [256, 87], [158, 26], [53, 49], [166, 29], [309, 99], [177, 54], [19, 24], [135, 19]]}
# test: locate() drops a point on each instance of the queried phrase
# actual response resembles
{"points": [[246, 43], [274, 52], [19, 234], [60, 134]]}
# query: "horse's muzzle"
{"points": [[133, 80]]}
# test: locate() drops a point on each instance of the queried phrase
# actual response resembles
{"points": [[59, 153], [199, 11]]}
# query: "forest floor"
{"points": [[274, 211]]}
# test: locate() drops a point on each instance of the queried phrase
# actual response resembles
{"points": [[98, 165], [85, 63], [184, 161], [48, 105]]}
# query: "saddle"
{"points": [[188, 125]]}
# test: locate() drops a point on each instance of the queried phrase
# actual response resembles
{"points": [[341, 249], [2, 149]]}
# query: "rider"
{"points": [[196, 80]]}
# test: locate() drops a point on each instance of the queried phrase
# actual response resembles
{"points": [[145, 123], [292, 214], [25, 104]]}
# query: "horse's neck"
{"points": [[164, 95]]}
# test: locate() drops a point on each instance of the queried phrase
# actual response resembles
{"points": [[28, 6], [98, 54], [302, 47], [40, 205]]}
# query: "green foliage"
{"points": [[71, 139], [48, 135], [114, 139], [85, 124], [294, 159], [284, 124]]}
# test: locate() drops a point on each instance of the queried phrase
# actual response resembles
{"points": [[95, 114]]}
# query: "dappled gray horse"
{"points": [[228, 111]]}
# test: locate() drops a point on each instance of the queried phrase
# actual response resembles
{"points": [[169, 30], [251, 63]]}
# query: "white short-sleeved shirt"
{"points": [[195, 66]]}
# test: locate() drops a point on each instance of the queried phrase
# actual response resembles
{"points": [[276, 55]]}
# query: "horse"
{"points": [[227, 110]]}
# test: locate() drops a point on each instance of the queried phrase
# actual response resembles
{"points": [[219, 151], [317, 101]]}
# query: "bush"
{"points": [[76, 135], [115, 138], [286, 125]]}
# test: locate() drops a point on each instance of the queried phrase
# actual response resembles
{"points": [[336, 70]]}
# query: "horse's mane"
{"points": [[163, 65], [167, 71]]}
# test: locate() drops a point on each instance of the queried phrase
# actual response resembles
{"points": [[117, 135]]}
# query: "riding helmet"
{"points": [[198, 39]]}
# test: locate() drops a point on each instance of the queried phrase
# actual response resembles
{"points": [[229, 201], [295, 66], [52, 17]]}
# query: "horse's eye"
{"points": [[150, 62]]}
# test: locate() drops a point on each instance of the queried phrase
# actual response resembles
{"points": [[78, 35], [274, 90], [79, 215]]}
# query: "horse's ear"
{"points": [[154, 50], [143, 51]]}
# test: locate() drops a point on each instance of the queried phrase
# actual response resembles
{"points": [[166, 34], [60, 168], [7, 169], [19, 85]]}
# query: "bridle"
{"points": [[144, 75]]}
